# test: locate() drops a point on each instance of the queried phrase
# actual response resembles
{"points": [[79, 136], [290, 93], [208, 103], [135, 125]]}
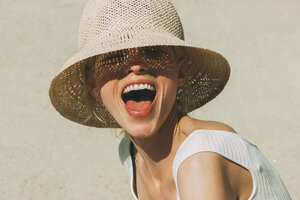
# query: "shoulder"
{"points": [[188, 125], [209, 139], [211, 176], [209, 171], [204, 175]]}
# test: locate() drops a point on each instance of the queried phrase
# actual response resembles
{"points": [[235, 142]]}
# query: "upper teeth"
{"points": [[141, 86]]}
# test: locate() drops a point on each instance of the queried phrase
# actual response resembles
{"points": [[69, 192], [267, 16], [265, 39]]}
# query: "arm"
{"points": [[204, 176], [208, 175]]}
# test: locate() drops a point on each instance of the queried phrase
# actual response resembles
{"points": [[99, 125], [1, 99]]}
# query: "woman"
{"points": [[134, 70]]}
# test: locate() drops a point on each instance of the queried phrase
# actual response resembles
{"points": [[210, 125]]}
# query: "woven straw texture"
{"points": [[110, 25]]}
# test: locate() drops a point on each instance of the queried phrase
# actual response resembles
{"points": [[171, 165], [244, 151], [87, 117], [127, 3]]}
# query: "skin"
{"points": [[157, 137], [221, 178]]}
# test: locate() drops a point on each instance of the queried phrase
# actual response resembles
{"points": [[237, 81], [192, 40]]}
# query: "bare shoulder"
{"points": [[204, 175], [211, 176], [188, 125], [204, 172]]}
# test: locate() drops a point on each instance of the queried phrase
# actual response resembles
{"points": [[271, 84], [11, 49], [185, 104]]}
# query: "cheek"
{"points": [[172, 91], [105, 75], [107, 93], [169, 90]]}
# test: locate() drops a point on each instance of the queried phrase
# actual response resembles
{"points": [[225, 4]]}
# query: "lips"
{"points": [[139, 99]]}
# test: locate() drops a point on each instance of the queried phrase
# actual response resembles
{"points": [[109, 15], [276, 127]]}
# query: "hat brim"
{"points": [[206, 76]]}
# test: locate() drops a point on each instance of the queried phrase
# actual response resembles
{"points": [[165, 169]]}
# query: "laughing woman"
{"points": [[135, 71]]}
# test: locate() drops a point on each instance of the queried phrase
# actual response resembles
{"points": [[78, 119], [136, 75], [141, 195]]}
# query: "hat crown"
{"points": [[111, 25], [105, 22]]}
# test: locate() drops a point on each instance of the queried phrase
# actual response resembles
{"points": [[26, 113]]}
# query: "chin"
{"points": [[141, 131]]}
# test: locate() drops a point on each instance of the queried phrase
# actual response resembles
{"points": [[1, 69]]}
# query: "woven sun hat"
{"points": [[110, 25]]}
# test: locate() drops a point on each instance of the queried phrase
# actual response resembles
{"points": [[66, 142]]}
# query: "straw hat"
{"points": [[110, 25]]}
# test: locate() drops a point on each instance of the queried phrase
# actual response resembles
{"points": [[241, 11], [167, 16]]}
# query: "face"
{"points": [[138, 86]]}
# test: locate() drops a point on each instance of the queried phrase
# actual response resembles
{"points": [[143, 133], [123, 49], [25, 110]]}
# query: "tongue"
{"points": [[138, 106]]}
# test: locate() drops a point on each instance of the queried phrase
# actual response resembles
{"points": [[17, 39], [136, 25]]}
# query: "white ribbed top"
{"points": [[267, 184]]}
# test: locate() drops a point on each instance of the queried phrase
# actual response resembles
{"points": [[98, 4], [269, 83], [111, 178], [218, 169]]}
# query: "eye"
{"points": [[114, 57], [154, 52]]}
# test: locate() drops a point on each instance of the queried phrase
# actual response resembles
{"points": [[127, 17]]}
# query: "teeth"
{"points": [[141, 86]]}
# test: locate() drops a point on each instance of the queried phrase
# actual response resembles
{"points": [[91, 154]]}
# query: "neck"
{"points": [[157, 152]]}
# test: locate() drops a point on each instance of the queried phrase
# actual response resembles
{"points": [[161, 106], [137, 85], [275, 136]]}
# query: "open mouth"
{"points": [[139, 97], [138, 93]]}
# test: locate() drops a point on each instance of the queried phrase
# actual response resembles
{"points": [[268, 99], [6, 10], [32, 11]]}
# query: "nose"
{"points": [[137, 69]]}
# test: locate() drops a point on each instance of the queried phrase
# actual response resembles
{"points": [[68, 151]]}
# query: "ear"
{"points": [[181, 72]]}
